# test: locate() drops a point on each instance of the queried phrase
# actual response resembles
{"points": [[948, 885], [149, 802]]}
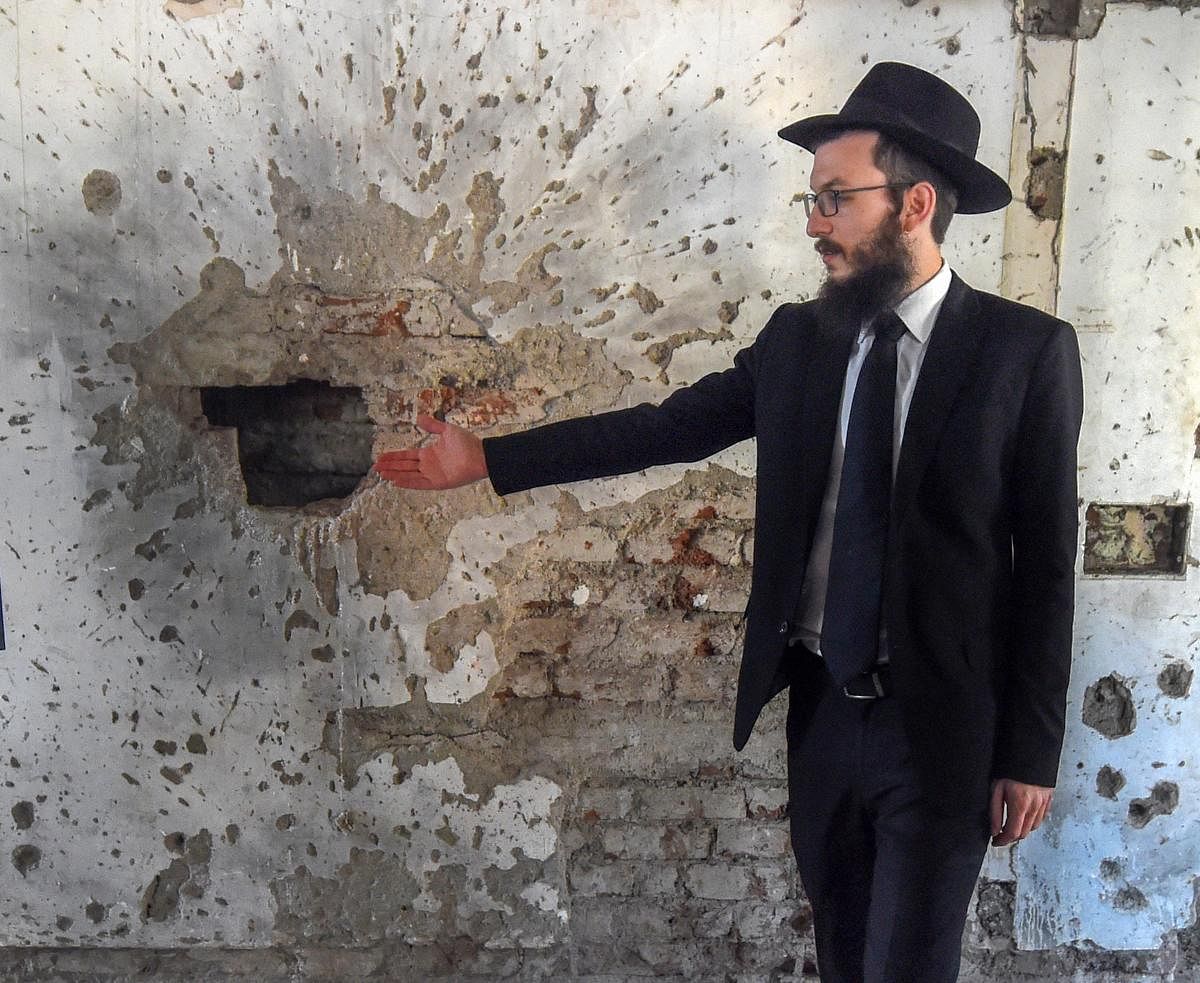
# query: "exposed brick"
{"points": [[718, 882], [774, 881], [767, 801], [691, 803], [658, 879], [605, 804], [658, 842], [757, 840], [755, 920], [713, 921], [614, 878]]}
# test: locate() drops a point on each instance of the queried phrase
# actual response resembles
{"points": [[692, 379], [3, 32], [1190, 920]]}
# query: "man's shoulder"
{"points": [[791, 320], [1008, 313]]}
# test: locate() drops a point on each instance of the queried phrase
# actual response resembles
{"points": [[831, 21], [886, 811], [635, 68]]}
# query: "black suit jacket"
{"points": [[979, 586]]}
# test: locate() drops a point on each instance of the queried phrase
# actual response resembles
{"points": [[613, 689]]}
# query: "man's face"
{"points": [[868, 263]]}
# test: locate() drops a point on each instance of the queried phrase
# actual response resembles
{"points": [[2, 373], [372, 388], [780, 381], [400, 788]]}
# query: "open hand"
{"points": [[454, 459]]}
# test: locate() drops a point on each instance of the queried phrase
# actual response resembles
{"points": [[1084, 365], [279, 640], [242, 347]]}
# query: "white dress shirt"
{"points": [[918, 311]]}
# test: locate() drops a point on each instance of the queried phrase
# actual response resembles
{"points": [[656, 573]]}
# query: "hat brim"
{"points": [[979, 188]]}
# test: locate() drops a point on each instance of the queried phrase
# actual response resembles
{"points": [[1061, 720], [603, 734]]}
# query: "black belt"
{"points": [[870, 685]]}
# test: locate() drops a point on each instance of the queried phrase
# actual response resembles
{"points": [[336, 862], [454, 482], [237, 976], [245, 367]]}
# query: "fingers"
{"points": [[399, 458], [402, 468], [1016, 810]]}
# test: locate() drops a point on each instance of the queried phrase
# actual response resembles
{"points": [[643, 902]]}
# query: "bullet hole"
{"points": [[236, 80], [175, 843], [299, 619], [1129, 898], [187, 876], [1110, 869], [1161, 801], [160, 900], [1109, 782], [285, 822], [165, 748], [303, 442], [22, 814], [323, 654], [1108, 707], [169, 633], [232, 832], [101, 192], [96, 499], [136, 589], [1044, 185], [1176, 679], [728, 311], [26, 857], [994, 908], [1131, 540], [647, 299], [156, 544], [62, 923], [96, 912]]}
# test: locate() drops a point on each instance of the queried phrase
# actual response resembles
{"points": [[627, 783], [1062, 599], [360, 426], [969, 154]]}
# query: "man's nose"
{"points": [[818, 225]]}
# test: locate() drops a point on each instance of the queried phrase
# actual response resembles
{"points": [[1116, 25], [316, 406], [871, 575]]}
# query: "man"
{"points": [[916, 524]]}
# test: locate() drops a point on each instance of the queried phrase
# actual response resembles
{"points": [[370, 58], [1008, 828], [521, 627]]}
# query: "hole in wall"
{"points": [[298, 443], [1136, 540]]}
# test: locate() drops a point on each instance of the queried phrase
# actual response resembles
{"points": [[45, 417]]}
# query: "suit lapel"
{"points": [[953, 347]]}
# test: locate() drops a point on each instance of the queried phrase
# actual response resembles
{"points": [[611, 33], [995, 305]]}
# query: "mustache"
{"points": [[827, 247]]}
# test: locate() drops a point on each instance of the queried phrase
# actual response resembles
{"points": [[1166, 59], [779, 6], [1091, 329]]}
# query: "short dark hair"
{"points": [[901, 166]]}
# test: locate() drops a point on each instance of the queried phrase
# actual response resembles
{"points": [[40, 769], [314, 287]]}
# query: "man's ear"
{"points": [[919, 202]]}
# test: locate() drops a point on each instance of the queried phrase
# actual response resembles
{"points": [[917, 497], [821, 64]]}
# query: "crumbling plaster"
{"points": [[407, 718]]}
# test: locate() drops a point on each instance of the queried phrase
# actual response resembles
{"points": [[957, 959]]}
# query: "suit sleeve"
{"points": [[689, 425], [1045, 537]]}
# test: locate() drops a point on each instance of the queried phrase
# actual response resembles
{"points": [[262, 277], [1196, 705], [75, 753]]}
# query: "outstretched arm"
{"points": [[454, 459]]}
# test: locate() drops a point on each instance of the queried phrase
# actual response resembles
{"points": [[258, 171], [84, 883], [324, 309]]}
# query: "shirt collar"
{"points": [[920, 309]]}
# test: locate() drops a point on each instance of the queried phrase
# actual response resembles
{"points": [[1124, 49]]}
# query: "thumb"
{"points": [[431, 424], [997, 808]]}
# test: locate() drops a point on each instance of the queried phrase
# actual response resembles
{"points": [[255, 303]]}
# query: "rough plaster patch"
{"points": [[474, 668], [429, 876]]}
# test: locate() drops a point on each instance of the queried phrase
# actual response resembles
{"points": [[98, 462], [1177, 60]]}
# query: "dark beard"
{"points": [[883, 269]]}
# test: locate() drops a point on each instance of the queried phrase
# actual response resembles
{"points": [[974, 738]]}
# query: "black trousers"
{"points": [[889, 879]]}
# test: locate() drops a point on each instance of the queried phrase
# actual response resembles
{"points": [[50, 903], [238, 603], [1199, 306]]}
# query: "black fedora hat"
{"points": [[923, 114]]}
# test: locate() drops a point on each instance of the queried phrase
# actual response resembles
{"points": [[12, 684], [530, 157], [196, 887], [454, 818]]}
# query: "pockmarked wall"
{"points": [[263, 715]]}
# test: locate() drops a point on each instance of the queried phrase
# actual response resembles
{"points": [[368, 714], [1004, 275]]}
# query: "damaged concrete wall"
{"points": [[393, 734]]}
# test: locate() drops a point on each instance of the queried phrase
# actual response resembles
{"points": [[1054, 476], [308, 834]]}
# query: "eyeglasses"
{"points": [[827, 200]]}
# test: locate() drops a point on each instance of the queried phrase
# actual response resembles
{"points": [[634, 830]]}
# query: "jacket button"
{"points": [[783, 628]]}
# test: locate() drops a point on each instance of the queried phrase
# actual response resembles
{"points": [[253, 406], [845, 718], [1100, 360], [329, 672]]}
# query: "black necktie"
{"points": [[854, 590]]}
